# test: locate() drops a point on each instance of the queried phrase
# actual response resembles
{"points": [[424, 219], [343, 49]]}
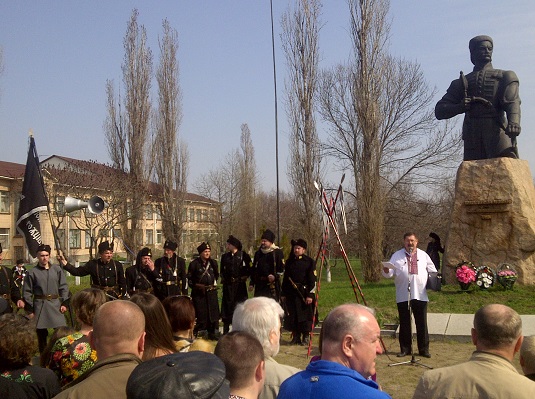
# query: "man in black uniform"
{"points": [[136, 275], [106, 274], [235, 269], [268, 266], [169, 273], [19, 272], [202, 275], [8, 291], [298, 292]]}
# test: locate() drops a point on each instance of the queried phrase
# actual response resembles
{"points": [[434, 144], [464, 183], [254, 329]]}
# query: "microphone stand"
{"points": [[413, 361]]}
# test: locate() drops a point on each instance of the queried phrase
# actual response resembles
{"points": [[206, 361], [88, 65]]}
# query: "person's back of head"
{"points": [[260, 317], [180, 311], [527, 355], [86, 302], [179, 375], [159, 337], [18, 341], [497, 327], [243, 357], [118, 327]]}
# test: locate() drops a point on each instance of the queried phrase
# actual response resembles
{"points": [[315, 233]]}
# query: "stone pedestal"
{"points": [[493, 217]]}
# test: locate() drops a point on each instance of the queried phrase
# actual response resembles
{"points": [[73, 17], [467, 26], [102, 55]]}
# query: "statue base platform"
{"points": [[493, 217]]}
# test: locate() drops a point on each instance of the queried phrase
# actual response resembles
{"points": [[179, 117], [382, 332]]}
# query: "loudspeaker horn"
{"points": [[95, 205]]}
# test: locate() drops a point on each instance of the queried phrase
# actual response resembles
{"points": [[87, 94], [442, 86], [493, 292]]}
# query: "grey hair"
{"points": [[259, 316]]}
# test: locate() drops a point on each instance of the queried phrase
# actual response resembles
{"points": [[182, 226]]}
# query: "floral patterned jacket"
{"points": [[71, 357]]}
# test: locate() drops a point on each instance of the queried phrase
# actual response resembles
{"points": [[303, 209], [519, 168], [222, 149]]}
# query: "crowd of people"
{"points": [[140, 335]]}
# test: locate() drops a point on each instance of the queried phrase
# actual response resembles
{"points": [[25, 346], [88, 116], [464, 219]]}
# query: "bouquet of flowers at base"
{"points": [[485, 277], [507, 275], [465, 272]]}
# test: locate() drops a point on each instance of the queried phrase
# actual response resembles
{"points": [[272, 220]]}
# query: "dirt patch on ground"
{"points": [[398, 381]]}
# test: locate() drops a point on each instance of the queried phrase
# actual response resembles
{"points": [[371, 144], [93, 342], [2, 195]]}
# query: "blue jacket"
{"points": [[325, 379]]}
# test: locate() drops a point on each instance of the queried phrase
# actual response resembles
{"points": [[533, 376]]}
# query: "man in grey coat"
{"points": [[45, 290]]}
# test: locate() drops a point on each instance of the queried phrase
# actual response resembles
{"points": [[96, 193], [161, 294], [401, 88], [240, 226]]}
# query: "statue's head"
{"points": [[481, 49]]}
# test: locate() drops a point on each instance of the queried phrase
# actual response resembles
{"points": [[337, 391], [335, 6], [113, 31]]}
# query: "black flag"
{"points": [[32, 201]]}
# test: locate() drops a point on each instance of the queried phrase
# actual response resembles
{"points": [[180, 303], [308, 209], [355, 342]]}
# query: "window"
{"points": [[191, 215], [4, 201], [88, 238], [205, 215], [75, 238], [158, 236], [158, 213], [184, 214], [199, 215], [4, 238], [149, 237], [149, 215], [60, 204]]}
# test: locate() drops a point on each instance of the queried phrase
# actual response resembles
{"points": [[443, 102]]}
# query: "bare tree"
{"points": [[170, 159], [233, 183], [127, 129], [246, 187], [382, 126], [300, 41]]}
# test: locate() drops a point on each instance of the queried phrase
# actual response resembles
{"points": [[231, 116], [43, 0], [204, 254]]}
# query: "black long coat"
{"points": [[235, 269], [202, 277], [302, 272], [265, 264]]}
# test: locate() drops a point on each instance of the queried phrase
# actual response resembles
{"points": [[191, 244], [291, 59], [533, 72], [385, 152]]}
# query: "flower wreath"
{"points": [[465, 273], [485, 277]]}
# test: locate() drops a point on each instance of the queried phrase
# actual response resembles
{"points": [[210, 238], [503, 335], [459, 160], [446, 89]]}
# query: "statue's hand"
{"points": [[466, 103], [513, 129]]}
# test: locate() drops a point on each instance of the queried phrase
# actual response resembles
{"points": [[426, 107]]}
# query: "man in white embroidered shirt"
{"points": [[410, 268]]}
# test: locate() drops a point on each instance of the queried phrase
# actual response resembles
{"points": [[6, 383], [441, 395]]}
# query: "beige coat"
{"points": [[484, 376]]}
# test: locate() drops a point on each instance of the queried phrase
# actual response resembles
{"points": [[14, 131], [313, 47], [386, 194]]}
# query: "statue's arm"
{"points": [[453, 103], [511, 102]]}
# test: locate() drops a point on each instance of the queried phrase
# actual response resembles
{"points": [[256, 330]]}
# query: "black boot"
{"points": [[306, 339], [226, 328], [296, 340]]}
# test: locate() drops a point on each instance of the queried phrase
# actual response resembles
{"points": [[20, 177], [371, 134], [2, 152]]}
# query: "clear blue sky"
{"points": [[58, 55]]}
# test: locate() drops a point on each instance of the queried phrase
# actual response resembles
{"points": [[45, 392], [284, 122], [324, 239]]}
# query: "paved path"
{"points": [[457, 327]]}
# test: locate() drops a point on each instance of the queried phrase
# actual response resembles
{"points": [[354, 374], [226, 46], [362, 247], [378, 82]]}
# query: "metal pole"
{"points": [[276, 124]]}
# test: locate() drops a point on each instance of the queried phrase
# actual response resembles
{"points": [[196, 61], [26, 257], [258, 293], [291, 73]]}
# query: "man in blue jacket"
{"points": [[351, 342]]}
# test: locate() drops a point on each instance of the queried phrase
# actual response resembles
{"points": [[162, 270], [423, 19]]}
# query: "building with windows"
{"points": [[72, 184]]}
